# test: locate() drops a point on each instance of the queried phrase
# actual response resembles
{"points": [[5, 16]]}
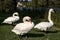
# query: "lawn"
{"points": [[34, 34]]}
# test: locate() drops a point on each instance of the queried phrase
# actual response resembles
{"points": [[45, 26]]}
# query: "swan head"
{"points": [[51, 10], [15, 14], [27, 19]]}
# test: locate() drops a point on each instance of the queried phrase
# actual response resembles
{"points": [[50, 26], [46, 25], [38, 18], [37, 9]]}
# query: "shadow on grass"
{"points": [[2, 24], [33, 35], [56, 31], [49, 31]]}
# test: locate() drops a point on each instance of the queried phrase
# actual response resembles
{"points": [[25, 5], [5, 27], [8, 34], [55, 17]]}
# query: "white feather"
{"points": [[23, 28], [45, 25], [12, 19]]}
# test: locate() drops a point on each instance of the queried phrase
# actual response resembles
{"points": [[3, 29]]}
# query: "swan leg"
{"points": [[47, 37], [13, 23], [26, 37], [21, 38]]}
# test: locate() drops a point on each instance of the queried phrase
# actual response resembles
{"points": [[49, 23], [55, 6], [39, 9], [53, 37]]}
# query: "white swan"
{"points": [[25, 27], [12, 19], [44, 25]]}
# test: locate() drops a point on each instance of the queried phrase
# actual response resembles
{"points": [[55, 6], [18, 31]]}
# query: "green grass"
{"points": [[6, 34], [34, 34]]}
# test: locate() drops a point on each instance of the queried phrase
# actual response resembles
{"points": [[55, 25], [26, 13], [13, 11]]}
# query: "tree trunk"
{"points": [[15, 4], [47, 3]]}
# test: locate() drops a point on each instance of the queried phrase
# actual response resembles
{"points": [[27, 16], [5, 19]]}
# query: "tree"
{"points": [[15, 5], [54, 3]]}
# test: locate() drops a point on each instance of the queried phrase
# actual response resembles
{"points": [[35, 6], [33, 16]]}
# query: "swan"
{"points": [[45, 25], [23, 28], [12, 19]]}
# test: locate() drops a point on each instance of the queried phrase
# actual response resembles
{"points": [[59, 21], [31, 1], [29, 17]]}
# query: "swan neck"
{"points": [[49, 18], [13, 15]]}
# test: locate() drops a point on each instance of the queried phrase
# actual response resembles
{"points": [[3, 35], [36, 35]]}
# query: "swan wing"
{"points": [[43, 25], [9, 20], [22, 28]]}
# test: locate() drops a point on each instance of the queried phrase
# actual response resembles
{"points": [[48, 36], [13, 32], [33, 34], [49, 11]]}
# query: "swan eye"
{"points": [[15, 15], [26, 20]]}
